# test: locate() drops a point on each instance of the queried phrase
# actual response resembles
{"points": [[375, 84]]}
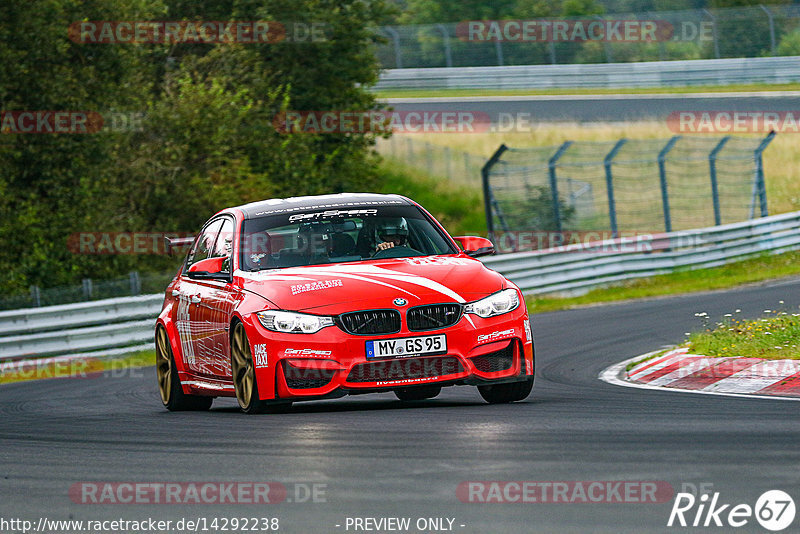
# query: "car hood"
{"points": [[337, 288]]}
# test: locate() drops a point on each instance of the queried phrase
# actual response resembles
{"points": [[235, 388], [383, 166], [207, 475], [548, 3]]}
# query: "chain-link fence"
{"points": [[753, 31], [131, 285], [619, 186]]}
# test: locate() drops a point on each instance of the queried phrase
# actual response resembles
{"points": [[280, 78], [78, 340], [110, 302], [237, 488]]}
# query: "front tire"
{"points": [[169, 385], [505, 393], [417, 393], [244, 374]]}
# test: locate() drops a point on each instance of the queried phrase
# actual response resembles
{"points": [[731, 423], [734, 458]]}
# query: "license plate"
{"points": [[406, 347]]}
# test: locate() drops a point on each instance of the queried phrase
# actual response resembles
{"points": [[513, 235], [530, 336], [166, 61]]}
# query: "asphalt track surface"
{"points": [[380, 457], [596, 108]]}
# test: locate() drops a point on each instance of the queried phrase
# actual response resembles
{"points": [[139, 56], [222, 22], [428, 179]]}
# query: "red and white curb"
{"points": [[677, 370]]}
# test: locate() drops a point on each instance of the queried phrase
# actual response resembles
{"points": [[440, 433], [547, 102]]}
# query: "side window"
{"points": [[204, 245], [224, 245]]}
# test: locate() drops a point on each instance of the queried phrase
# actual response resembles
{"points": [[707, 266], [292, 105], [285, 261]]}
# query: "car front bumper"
{"points": [[331, 362]]}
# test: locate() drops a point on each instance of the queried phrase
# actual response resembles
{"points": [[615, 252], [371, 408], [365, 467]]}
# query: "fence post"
{"points": [[429, 158], [136, 283], [448, 58], [762, 189], [772, 46], [552, 47], [662, 174], [36, 296], [612, 208], [713, 31], [606, 45], [551, 167], [712, 168], [86, 283], [398, 60], [487, 191], [499, 49]]}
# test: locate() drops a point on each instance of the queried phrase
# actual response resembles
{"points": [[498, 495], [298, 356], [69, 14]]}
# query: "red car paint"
{"points": [[198, 315]]}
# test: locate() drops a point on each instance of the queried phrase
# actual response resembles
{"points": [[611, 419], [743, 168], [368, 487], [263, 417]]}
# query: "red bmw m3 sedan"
{"points": [[319, 297]]}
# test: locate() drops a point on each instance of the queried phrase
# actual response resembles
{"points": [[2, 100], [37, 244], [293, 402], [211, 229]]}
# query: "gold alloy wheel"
{"points": [[242, 367], [163, 365]]}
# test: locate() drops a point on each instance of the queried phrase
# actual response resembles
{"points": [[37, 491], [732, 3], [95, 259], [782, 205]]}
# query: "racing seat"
{"points": [[364, 245], [341, 245]]}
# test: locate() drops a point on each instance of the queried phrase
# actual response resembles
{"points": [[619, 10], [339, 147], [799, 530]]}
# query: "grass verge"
{"points": [[88, 367], [758, 269], [459, 209], [781, 158], [774, 337], [430, 93]]}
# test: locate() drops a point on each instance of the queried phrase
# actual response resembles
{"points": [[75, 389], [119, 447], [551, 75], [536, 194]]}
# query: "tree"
{"points": [[208, 139], [52, 184]]}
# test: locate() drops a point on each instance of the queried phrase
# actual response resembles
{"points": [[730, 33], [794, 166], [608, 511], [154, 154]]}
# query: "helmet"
{"points": [[391, 227]]}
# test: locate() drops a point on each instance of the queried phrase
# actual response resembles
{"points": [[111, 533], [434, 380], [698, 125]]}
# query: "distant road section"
{"points": [[604, 108]]}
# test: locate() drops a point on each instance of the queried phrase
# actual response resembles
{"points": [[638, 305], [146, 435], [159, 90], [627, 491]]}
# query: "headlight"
{"points": [[296, 323], [497, 304]]}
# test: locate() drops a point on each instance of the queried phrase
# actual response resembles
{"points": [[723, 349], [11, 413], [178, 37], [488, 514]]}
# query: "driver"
{"points": [[391, 232]]}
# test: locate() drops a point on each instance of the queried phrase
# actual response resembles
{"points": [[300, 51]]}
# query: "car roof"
{"points": [[321, 202]]}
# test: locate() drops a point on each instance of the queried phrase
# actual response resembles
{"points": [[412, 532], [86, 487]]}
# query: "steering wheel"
{"points": [[397, 252]]}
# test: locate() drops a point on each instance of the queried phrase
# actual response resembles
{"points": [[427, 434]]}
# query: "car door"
{"points": [[191, 316], [217, 299]]}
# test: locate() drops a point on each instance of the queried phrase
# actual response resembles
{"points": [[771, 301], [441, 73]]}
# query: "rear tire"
{"points": [[244, 376], [504, 393], [169, 385], [417, 393]]}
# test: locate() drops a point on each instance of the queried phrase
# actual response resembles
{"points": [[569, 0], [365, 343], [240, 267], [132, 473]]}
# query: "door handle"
{"points": [[195, 299]]}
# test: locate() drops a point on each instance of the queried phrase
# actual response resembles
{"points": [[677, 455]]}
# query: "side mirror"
{"points": [[475, 246], [208, 269], [173, 243]]}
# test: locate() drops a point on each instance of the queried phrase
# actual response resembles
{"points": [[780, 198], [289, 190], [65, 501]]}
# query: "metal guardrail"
{"points": [[608, 75], [112, 325], [77, 340], [713, 33], [71, 328], [99, 312], [579, 268]]}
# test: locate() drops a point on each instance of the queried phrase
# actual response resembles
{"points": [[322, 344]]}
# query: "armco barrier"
{"points": [[77, 328], [98, 312], [608, 75], [129, 322], [77, 340], [581, 268]]}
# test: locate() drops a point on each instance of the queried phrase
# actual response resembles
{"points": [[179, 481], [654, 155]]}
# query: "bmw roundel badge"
{"points": [[400, 302]]}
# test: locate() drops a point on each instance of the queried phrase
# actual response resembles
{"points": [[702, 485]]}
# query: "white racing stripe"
{"points": [[368, 273], [378, 282]]}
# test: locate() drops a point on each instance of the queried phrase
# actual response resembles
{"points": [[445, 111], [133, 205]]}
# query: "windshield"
{"points": [[339, 235]]}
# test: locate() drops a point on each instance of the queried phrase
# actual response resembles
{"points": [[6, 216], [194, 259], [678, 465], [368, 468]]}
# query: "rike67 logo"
{"points": [[774, 510]]}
